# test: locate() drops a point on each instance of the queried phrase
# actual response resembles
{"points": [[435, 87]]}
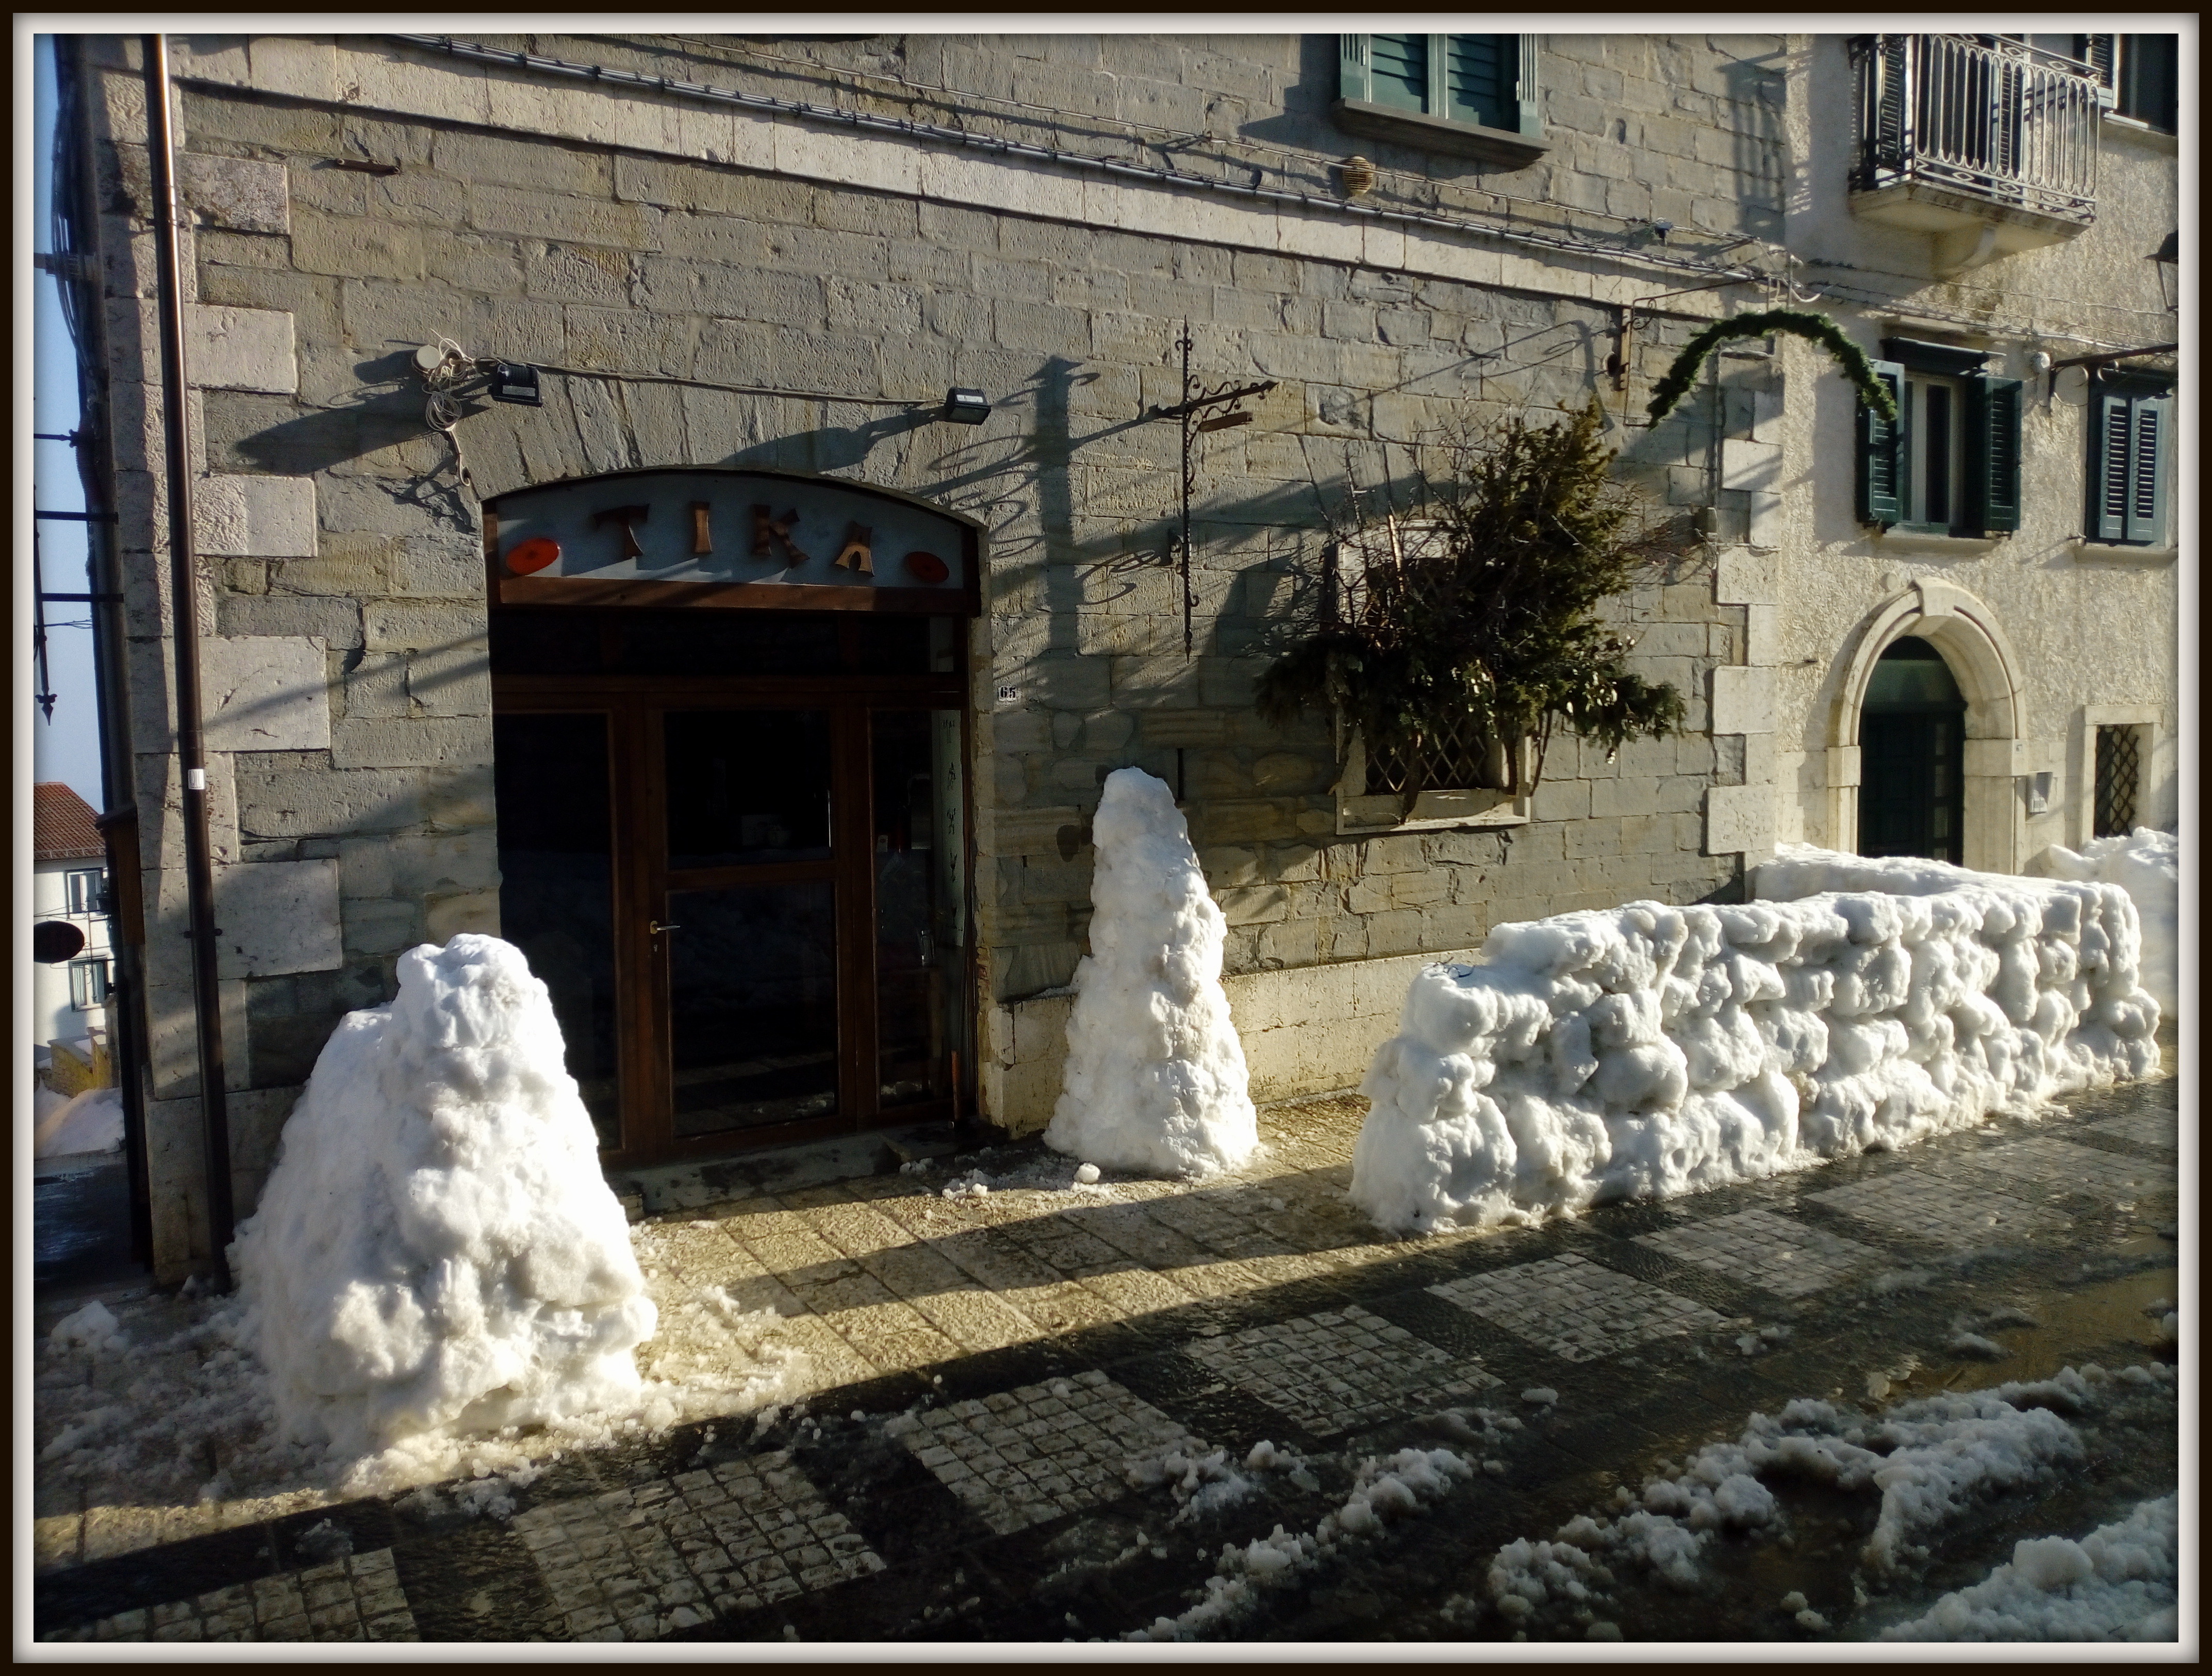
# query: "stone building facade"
{"points": [[774, 257]]}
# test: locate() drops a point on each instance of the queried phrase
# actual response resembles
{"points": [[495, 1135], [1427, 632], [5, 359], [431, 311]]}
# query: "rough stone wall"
{"points": [[590, 228]]}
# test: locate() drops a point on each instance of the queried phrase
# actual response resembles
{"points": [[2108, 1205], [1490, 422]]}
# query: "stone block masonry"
{"points": [[649, 239]]}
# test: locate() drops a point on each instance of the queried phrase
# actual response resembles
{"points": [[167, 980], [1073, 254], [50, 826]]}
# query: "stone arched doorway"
{"points": [[1981, 661]]}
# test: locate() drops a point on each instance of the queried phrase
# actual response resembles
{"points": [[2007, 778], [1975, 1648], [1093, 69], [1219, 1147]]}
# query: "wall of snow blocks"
{"points": [[1649, 1051]]}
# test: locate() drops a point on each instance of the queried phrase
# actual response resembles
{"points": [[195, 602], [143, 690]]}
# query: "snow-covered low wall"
{"points": [[1648, 1051], [2147, 864]]}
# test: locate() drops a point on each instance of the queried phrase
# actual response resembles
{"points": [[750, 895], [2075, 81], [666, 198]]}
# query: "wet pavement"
{"points": [[80, 1224], [983, 1370]]}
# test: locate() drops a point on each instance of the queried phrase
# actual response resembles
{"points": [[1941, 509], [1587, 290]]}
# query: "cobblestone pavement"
{"points": [[985, 1369]]}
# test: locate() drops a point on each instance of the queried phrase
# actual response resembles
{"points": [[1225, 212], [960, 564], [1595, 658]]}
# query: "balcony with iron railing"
{"points": [[1986, 141]]}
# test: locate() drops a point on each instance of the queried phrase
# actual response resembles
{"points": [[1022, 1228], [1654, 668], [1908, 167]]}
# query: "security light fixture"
{"points": [[2168, 257], [513, 382], [1663, 228], [966, 407]]}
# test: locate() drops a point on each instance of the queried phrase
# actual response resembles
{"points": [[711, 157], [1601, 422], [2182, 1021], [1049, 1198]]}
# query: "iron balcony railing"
{"points": [[1984, 115]]}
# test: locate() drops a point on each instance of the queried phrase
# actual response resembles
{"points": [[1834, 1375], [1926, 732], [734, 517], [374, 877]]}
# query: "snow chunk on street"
{"points": [[1393, 1487], [1650, 1051], [436, 1251], [1931, 1460], [1156, 1076], [2117, 1583]]}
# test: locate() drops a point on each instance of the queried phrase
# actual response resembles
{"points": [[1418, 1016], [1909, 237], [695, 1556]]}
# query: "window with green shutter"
{"points": [[2129, 418], [1880, 499], [2141, 75], [1949, 463], [1474, 95]]}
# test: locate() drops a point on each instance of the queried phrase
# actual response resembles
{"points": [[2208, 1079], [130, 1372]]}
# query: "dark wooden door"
{"points": [[748, 896], [1911, 789]]}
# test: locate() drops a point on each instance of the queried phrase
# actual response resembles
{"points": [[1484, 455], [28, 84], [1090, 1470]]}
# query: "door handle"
{"points": [[655, 927]]}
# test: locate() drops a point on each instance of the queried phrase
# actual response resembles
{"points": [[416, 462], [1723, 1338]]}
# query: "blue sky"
{"points": [[68, 748]]}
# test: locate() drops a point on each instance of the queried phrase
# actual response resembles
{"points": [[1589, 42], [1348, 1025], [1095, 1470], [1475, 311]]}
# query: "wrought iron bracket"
{"points": [[1186, 412]]}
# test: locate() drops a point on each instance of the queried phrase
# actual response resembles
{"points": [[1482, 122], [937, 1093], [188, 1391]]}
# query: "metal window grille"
{"points": [[1455, 757], [2119, 777]]}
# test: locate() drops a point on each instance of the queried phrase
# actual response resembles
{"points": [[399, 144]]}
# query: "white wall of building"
{"points": [[54, 1017], [2090, 631]]}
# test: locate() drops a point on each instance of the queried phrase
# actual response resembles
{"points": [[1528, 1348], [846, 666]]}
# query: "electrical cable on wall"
{"points": [[439, 410], [450, 372]]}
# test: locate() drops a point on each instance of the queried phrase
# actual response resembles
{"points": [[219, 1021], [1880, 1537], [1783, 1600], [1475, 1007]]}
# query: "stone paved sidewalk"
{"points": [[981, 1370]]}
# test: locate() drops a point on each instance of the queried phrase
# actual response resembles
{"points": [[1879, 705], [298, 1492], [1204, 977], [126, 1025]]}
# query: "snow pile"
{"points": [[1930, 1459], [91, 1121], [1156, 1077], [1649, 1051], [2147, 864], [436, 1252], [2117, 1583], [1203, 1484], [92, 1328], [1405, 1484]]}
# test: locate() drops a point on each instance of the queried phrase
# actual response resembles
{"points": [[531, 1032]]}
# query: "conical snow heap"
{"points": [[1155, 1077], [436, 1252]]}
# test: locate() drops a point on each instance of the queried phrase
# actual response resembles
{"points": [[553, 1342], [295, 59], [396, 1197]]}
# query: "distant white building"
{"points": [[68, 997]]}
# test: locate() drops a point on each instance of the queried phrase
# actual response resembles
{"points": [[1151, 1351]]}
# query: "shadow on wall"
{"points": [[1756, 90]]}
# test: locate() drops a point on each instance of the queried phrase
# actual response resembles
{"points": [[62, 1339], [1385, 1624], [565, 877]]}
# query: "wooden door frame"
{"points": [[635, 707]]}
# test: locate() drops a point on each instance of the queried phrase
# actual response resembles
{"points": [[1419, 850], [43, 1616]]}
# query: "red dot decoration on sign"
{"points": [[926, 568], [533, 554]]}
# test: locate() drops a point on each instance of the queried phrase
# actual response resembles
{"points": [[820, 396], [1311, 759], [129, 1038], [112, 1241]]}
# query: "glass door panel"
{"points": [[746, 786], [921, 934], [752, 1005], [556, 886]]}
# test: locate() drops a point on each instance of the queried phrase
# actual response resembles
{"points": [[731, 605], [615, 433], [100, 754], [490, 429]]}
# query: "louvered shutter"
{"points": [[2112, 443], [1480, 73], [1890, 108], [1993, 453], [2146, 486], [2098, 52], [1398, 71], [1881, 452], [1352, 67]]}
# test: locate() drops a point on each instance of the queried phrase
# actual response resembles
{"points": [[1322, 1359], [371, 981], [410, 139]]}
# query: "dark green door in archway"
{"points": [[1912, 731]]}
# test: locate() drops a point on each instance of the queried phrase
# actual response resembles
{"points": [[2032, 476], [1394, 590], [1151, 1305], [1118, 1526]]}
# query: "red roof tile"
{"points": [[62, 825]]}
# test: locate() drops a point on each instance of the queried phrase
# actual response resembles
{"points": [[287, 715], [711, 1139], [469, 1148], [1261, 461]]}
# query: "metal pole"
{"points": [[183, 602], [1185, 344]]}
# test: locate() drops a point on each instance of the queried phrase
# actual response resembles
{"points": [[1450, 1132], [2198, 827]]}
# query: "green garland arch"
{"points": [[1816, 328]]}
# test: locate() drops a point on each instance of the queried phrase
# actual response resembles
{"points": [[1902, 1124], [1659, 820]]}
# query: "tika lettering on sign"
{"points": [[776, 531]]}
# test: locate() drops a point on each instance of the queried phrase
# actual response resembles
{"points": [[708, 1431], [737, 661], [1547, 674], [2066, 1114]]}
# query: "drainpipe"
{"points": [[185, 606]]}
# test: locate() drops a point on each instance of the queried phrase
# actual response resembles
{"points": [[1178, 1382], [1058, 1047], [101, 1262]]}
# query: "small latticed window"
{"points": [[2119, 776], [1458, 756]]}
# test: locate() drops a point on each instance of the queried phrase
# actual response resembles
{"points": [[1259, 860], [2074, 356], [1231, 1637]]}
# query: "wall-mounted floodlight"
{"points": [[2168, 257], [966, 407], [513, 382]]}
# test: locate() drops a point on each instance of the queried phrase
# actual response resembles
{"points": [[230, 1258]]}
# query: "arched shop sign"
{"points": [[752, 539]]}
